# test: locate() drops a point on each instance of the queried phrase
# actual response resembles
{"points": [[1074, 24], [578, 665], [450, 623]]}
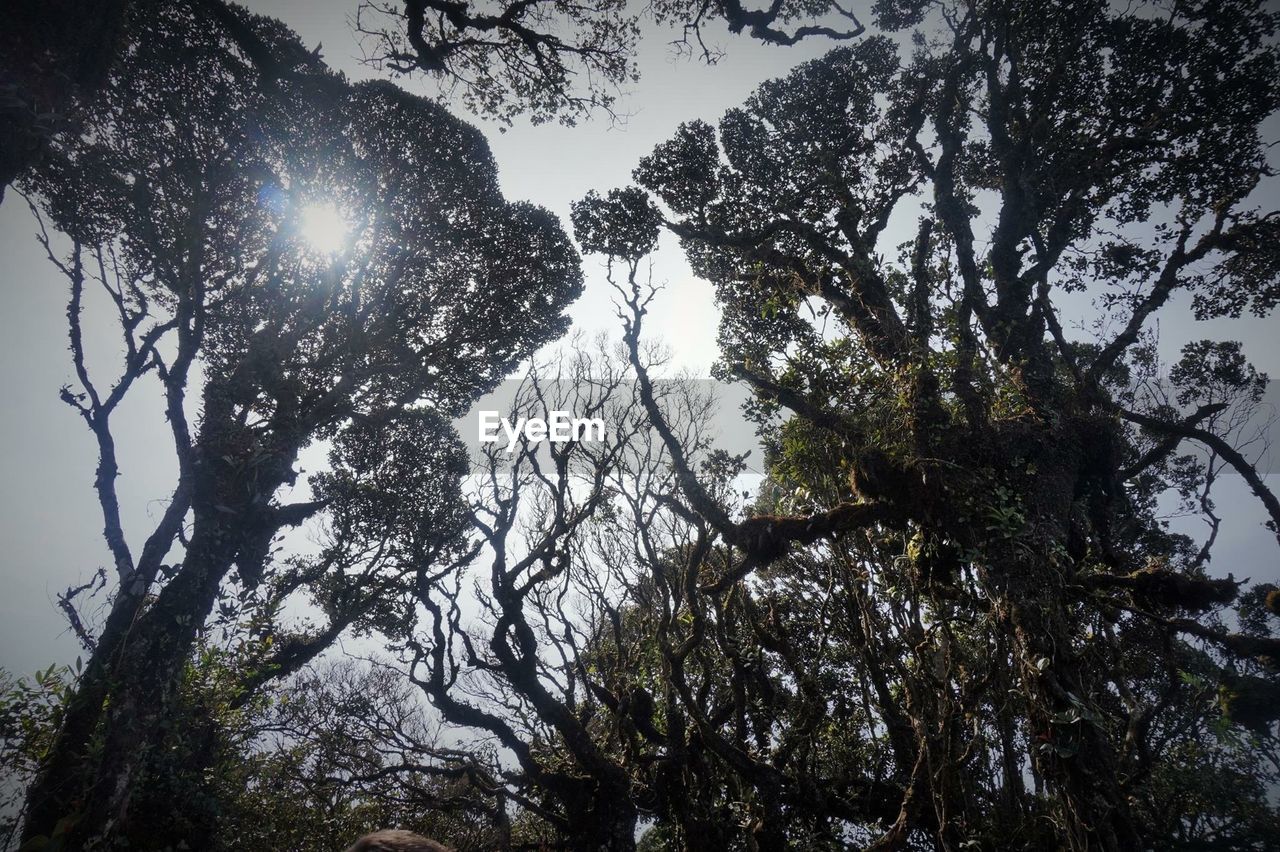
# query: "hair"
{"points": [[396, 840]]}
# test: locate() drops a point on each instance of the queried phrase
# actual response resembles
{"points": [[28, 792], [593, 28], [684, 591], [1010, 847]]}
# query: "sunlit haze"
{"points": [[323, 227]]}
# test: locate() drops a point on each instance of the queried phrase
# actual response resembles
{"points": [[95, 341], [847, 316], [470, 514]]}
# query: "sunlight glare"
{"points": [[323, 227]]}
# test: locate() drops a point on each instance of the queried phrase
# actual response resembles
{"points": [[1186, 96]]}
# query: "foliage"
{"points": [[957, 562], [184, 196], [952, 617], [30, 711], [562, 60]]}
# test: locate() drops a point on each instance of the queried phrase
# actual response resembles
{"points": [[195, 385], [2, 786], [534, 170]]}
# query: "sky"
{"points": [[49, 521]]}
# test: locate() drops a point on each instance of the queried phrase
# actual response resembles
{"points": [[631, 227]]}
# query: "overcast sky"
{"points": [[50, 525]]}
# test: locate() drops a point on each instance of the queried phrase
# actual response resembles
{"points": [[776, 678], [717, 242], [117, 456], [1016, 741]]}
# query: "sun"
{"points": [[323, 227]]}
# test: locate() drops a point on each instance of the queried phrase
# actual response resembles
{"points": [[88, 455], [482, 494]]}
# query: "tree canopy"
{"points": [[996, 501], [182, 198]]}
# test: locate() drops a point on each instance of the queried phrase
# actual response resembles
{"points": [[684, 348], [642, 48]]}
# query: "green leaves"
{"points": [[683, 170], [623, 224], [396, 479], [1210, 373]]}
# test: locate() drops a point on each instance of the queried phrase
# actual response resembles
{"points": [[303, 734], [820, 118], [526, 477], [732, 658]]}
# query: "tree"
{"points": [[51, 55], [951, 618], [343, 749], [515, 670], [989, 482], [182, 198], [563, 60]]}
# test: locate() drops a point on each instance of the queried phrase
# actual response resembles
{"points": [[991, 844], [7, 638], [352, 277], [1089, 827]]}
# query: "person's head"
{"points": [[396, 840]]}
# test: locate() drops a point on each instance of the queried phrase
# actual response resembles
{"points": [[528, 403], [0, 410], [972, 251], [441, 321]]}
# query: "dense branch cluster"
{"points": [[563, 60]]}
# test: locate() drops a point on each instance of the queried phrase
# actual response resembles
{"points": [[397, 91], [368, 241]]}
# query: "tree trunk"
{"points": [[147, 677], [1031, 598], [60, 785]]}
